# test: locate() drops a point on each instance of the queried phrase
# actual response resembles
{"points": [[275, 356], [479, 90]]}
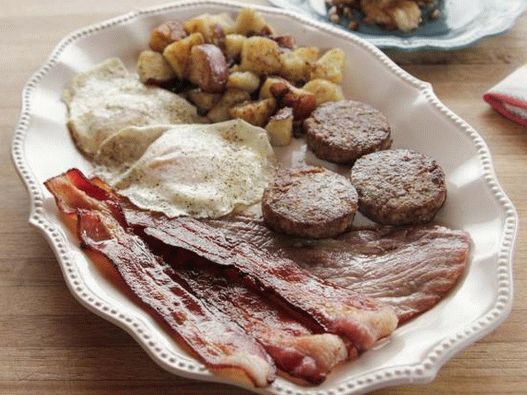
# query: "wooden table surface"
{"points": [[50, 344]]}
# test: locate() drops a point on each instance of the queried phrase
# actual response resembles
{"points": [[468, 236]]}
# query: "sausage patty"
{"points": [[399, 187], [309, 202], [345, 130]]}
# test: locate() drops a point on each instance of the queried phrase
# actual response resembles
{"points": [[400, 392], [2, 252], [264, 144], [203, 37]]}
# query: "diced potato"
{"points": [[324, 90], [280, 127], [235, 68], [256, 113], [302, 101], [207, 24], [330, 66], [178, 53], [231, 97], [265, 90], [203, 100], [261, 55], [165, 34], [208, 68], [233, 45], [154, 69], [297, 64], [251, 22], [245, 80]]}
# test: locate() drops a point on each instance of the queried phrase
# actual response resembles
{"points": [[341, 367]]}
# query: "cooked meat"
{"points": [[360, 320], [219, 342], [410, 268], [309, 202], [343, 131], [399, 187]]}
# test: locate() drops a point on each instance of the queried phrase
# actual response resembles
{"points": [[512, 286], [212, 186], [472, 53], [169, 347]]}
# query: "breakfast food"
{"points": [[410, 269], [343, 131], [294, 287], [198, 170], [219, 64], [107, 98], [309, 202], [404, 15], [399, 187], [219, 342]]}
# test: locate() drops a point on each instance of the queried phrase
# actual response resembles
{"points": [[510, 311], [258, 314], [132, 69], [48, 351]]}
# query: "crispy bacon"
{"points": [[220, 343], [359, 319], [292, 344]]}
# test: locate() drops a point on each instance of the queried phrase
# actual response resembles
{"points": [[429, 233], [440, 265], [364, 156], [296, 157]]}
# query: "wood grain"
{"points": [[50, 344]]}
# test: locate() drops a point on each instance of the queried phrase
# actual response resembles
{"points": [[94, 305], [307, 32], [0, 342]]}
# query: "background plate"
{"points": [[476, 202], [462, 23]]}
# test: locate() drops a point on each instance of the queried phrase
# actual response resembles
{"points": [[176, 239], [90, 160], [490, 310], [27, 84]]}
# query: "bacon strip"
{"points": [[220, 344], [357, 318], [291, 344]]}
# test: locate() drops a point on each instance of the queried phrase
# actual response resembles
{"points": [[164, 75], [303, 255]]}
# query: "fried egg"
{"points": [[107, 98], [204, 171]]}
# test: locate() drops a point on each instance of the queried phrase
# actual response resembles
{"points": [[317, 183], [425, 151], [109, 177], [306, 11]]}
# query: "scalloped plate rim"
{"points": [[423, 372]]}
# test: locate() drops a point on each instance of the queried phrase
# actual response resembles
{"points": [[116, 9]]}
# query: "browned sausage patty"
{"points": [[399, 187], [345, 130], [309, 202]]}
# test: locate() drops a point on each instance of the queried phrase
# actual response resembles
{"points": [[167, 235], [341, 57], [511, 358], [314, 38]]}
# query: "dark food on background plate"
{"points": [[404, 15], [343, 131], [247, 299], [399, 187], [309, 202]]}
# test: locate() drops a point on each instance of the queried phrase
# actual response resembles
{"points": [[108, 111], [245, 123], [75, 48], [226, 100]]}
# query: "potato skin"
{"points": [[209, 68], [302, 102], [260, 55], [165, 34], [154, 69], [280, 127], [178, 53]]}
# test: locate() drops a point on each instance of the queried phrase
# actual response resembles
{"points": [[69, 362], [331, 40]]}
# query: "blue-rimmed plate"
{"points": [[461, 24]]}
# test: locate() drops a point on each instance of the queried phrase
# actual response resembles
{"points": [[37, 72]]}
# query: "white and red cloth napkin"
{"points": [[509, 97]]}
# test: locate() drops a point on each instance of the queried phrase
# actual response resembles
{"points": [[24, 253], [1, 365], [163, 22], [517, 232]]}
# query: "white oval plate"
{"points": [[42, 148]]}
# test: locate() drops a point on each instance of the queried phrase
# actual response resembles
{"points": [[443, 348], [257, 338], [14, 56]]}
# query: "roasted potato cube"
{"points": [[235, 68], [301, 101], [324, 90], [245, 80], [330, 66], [265, 89], [261, 55], [178, 53], [297, 64], [231, 97], [165, 34], [251, 22], [207, 24], [280, 127], [209, 68], [203, 100], [154, 69], [233, 45], [256, 113]]}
